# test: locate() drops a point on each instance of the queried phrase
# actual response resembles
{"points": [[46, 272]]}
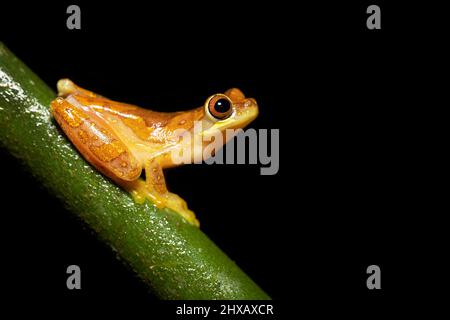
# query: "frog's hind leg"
{"points": [[155, 188]]}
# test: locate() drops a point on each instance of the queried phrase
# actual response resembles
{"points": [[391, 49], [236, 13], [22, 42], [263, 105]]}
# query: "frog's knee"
{"points": [[65, 87]]}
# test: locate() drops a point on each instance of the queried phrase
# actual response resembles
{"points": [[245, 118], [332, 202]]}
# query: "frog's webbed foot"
{"points": [[154, 188]]}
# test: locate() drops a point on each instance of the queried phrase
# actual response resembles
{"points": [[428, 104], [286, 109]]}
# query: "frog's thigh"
{"points": [[94, 139]]}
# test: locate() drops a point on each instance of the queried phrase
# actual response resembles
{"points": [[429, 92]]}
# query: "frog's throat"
{"points": [[139, 191]]}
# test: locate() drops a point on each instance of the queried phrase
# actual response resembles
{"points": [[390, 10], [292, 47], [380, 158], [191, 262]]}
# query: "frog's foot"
{"points": [[154, 188]]}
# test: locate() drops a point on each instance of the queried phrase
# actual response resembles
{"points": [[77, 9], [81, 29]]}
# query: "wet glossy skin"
{"points": [[121, 140]]}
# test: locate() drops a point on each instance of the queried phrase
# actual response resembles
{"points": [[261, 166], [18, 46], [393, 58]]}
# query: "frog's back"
{"points": [[116, 137], [152, 119]]}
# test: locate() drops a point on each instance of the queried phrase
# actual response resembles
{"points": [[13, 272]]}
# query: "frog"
{"points": [[132, 145]]}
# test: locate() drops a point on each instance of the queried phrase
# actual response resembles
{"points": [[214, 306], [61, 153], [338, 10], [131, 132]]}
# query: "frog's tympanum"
{"points": [[121, 140]]}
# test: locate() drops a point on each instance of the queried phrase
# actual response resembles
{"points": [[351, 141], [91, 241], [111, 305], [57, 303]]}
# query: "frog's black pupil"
{"points": [[222, 106]]}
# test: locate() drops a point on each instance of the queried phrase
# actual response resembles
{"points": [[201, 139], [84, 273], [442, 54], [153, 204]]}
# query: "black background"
{"points": [[344, 197]]}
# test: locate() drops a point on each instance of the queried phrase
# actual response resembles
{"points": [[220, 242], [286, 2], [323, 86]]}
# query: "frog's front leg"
{"points": [[154, 187]]}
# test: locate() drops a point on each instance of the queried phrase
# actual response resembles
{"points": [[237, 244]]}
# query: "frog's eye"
{"points": [[219, 106]]}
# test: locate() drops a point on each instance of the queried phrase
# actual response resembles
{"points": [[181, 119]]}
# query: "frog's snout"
{"points": [[248, 104], [246, 111]]}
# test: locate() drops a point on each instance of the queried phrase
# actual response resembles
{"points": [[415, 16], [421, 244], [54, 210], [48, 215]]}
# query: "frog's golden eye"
{"points": [[219, 106]]}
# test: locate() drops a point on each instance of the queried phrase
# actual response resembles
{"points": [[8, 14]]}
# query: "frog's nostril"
{"points": [[250, 102]]}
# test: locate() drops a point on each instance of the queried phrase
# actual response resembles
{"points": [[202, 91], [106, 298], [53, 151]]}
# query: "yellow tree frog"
{"points": [[121, 140]]}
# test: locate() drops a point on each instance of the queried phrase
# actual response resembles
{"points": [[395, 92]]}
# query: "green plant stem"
{"points": [[174, 258]]}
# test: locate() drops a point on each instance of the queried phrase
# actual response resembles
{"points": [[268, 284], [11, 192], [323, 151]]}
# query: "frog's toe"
{"points": [[140, 192], [177, 204]]}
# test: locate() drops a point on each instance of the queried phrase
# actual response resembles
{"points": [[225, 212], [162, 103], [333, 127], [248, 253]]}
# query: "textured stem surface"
{"points": [[174, 258]]}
